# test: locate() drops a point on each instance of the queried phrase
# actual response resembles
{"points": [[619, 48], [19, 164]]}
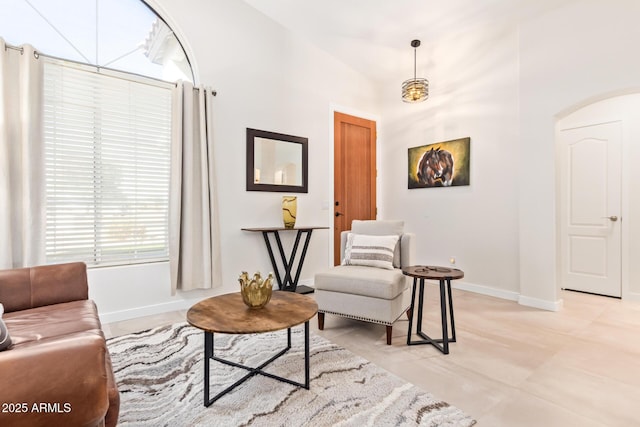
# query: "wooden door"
{"points": [[590, 223], [354, 173]]}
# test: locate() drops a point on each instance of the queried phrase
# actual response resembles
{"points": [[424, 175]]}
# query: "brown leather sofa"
{"points": [[57, 371]]}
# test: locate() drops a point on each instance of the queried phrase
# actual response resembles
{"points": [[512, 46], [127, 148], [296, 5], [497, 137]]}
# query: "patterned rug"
{"points": [[160, 377]]}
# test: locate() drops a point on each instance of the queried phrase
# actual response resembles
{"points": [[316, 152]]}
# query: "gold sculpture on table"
{"points": [[255, 291]]}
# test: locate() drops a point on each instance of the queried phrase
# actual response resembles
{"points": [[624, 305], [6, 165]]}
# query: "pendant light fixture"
{"points": [[415, 89]]}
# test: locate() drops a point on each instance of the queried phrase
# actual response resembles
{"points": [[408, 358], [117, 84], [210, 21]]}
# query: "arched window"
{"points": [[125, 35], [109, 68]]}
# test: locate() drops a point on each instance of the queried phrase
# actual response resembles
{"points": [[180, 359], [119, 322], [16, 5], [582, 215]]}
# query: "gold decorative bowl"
{"points": [[256, 292]]}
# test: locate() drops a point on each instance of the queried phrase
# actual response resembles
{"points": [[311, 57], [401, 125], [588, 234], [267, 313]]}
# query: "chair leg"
{"points": [[389, 333], [321, 321]]}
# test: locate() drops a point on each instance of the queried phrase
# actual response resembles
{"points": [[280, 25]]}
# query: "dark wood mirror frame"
{"points": [[252, 134]]}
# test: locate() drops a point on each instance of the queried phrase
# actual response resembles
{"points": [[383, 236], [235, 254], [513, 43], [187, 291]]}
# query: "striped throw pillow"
{"points": [[370, 251], [5, 339]]}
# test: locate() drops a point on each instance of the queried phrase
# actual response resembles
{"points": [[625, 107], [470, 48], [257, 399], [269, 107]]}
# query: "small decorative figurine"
{"points": [[256, 292]]}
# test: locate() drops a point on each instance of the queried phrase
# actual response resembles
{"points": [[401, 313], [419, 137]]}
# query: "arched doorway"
{"points": [[598, 209]]}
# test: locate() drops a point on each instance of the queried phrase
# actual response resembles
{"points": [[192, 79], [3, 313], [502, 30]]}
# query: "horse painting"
{"points": [[436, 165]]}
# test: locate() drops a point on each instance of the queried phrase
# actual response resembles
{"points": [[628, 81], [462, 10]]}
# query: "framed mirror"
{"points": [[276, 162]]}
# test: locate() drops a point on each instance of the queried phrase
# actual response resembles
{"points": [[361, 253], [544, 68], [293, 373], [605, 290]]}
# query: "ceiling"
{"points": [[374, 36]]}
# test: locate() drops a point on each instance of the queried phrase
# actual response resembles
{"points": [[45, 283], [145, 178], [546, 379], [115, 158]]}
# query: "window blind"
{"points": [[107, 162]]}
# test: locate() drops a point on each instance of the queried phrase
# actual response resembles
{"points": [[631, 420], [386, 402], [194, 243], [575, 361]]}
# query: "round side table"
{"points": [[444, 275]]}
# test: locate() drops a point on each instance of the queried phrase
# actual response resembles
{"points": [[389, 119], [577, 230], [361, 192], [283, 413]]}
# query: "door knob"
{"points": [[611, 218], [338, 214]]}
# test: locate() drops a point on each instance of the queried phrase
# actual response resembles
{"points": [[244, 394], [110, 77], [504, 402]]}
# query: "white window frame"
{"points": [[96, 153]]}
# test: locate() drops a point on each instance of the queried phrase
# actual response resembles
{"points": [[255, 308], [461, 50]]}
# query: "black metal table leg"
{"points": [[286, 281], [209, 354], [276, 271], [287, 264], [307, 371], [453, 324], [420, 306], [302, 289], [412, 310], [443, 315], [441, 344]]}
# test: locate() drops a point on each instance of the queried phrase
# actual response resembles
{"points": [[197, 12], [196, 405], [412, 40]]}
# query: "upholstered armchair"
{"points": [[369, 285]]}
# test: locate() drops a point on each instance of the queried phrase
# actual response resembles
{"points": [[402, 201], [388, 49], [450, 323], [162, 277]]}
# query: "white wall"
{"points": [[505, 88], [568, 57], [474, 88], [266, 79]]}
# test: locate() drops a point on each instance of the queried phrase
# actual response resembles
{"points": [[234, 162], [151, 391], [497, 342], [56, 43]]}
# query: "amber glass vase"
{"points": [[289, 211]]}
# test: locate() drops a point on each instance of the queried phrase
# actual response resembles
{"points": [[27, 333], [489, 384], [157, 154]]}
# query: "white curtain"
{"points": [[194, 242], [22, 199]]}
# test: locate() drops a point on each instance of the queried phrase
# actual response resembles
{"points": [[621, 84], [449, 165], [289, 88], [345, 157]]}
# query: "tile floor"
{"points": [[512, 365]]}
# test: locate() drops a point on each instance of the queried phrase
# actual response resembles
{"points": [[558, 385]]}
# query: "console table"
{"points": [[287, 282], [442, 274]]}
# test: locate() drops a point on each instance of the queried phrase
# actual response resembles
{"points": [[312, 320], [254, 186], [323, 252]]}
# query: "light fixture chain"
{"points": [[415, 56]]}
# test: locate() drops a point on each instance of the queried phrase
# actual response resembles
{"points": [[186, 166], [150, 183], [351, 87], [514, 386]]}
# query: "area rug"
{"points": [[160, 377]]}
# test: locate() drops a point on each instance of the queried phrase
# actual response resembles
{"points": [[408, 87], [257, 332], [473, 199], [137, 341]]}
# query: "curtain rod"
{"points": [[38, 54]]}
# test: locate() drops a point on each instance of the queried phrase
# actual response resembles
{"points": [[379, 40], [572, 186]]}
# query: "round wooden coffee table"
{"points": [[228, 314], [444, 275]]}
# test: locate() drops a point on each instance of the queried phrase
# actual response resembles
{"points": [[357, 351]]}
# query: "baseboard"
{"points": [[509, 295], [631, 296], [540, 303], [485, 290], [148, 310]]}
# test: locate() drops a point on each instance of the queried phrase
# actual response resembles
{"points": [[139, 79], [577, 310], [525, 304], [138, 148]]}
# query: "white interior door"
{"points": [[590, 201]]}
